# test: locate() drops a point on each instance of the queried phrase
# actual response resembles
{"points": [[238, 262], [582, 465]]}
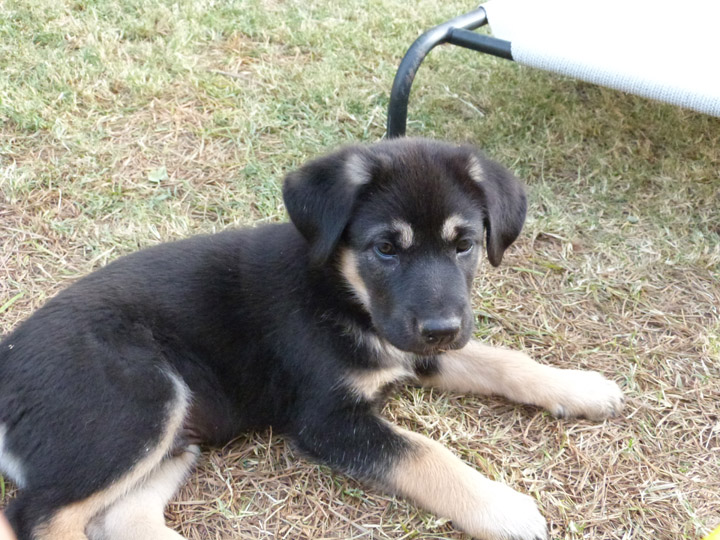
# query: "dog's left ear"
{"points": [[505, 203], [320, 197]]}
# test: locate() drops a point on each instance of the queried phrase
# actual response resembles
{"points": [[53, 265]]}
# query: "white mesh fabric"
{"points": [[669, 51]]}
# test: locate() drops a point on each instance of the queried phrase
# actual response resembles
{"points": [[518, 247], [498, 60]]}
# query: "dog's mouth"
{"points": [[430, 350], [424, 347]]}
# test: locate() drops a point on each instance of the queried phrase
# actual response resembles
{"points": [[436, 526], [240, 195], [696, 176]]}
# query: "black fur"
{"points": [[261, 325]]}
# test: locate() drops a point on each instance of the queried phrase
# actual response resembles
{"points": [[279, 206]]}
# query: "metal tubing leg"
{"points": [[454, 31]]}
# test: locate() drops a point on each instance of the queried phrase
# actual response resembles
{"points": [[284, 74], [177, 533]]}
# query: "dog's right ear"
{"points": [[505, 203], [320, 197]]}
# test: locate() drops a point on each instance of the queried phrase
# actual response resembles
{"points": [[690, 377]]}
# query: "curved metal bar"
{"points": [[481, 43], [397, 110]]}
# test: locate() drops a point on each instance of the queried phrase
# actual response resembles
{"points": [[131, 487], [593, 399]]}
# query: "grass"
{"points": [[128, 123]]}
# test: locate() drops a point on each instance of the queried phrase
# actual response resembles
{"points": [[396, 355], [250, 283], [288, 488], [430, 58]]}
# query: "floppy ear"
{"points": [[505, 204], [320, 196]]}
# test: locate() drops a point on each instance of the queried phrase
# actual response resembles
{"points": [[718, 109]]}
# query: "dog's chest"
{"points": [[372, 384], [390, 366]]}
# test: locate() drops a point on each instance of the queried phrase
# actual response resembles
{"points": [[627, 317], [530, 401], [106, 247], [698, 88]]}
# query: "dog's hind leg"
{"points": [[27, 510], [59, 501], [139, 514]]}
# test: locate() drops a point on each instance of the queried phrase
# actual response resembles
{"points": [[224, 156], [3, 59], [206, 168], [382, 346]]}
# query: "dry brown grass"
{"points": [[188, 123]]}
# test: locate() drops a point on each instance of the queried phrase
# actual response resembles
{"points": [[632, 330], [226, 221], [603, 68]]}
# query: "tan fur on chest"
{"points": [[369, 384]]}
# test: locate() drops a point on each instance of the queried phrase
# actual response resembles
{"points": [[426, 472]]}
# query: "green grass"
{"points": [[123, 124]]}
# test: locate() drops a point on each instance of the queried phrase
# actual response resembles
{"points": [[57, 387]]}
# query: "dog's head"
{"points": [[404, 221]]}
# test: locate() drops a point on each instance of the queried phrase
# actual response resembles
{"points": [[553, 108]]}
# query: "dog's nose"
{"points": [[440, 331]]}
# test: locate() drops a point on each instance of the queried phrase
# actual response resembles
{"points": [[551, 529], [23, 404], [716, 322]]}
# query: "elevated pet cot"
{"points": [[668, 51]]}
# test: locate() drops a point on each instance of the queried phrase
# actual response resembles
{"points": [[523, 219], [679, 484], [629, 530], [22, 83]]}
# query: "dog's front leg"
{"points": [[481, 369], [413, 466]]}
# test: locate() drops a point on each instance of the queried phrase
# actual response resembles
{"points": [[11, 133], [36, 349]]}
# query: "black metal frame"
{"points": [[456, 31]]}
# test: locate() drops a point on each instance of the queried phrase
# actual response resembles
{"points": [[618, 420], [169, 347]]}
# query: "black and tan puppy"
{"points": [[107, 390]]}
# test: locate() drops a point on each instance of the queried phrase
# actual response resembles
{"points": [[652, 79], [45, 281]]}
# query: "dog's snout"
{"points": [[440, 331]]}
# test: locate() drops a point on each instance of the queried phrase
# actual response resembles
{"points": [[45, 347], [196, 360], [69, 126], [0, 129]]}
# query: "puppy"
{"points": [[107, 391]]}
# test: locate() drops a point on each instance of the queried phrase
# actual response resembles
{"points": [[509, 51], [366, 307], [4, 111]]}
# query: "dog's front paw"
{"points": [[505, 515], [587, 394]]}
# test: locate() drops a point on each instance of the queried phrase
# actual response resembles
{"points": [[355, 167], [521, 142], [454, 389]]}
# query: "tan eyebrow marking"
{"points": [[450, 227], [405, 232]]}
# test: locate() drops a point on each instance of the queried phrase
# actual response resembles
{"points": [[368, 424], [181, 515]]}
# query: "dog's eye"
{"points": [[464, 245], [385, 250]]}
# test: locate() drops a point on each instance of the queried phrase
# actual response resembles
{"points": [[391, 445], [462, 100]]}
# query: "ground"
{"points": [[132, 122]]}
